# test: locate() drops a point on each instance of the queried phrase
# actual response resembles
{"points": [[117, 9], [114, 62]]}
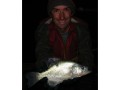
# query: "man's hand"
{"points": [[52, 61]]}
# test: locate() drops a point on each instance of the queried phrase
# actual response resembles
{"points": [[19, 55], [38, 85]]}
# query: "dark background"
{"points": [[36, 10]]}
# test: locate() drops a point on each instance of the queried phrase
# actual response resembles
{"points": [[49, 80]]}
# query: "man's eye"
{"points": [[56, 10], [67, 9]]}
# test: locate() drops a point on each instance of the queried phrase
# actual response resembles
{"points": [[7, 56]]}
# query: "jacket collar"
{"points": [[73, 20]]}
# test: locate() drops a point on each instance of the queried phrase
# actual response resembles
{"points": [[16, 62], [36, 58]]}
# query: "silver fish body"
{"points": [[56, 74]]}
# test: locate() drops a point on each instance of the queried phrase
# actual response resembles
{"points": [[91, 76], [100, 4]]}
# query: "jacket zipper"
{"points": [[64, 45], [64, 50]]}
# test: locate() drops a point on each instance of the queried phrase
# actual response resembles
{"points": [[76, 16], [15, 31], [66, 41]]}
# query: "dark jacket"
{"points": [[77, 48]]}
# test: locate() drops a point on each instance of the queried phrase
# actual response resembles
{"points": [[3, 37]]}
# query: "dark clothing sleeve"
{"points": [[42, 49], [85, 54]]}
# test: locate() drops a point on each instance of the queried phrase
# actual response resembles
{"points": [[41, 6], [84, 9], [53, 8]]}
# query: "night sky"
{"points": [[36, 10]]}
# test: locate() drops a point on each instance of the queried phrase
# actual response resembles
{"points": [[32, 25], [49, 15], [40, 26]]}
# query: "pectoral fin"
{"points": [[52, 83]]}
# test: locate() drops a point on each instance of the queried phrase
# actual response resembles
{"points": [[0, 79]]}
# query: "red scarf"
{"points": [[67, 51]]}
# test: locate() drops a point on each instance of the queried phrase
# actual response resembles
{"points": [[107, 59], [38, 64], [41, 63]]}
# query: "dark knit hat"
{"points": [[53, 3]]}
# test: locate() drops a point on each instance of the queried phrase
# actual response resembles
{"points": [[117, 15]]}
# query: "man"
{"points": [[62, 37]]}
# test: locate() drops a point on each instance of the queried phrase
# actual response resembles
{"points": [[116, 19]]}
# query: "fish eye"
{"points": [[76, 69], [82, 67]]}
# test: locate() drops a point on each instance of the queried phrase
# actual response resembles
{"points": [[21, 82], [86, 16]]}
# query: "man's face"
{"points": [[61, 16]]}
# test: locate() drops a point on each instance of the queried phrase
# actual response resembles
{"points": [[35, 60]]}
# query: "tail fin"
{"points": [[33, 78]]}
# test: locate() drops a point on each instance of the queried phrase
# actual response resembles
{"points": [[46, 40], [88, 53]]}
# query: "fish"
{"points": [[56, 74]]}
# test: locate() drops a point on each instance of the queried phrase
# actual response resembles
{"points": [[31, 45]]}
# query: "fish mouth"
{"points": [[85, 73]]}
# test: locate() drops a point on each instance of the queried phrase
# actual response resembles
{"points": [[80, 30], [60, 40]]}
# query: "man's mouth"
{"points": [[62, 23]]}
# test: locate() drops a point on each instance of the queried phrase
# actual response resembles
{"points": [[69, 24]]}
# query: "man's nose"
{"points": [[62, 16]]}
